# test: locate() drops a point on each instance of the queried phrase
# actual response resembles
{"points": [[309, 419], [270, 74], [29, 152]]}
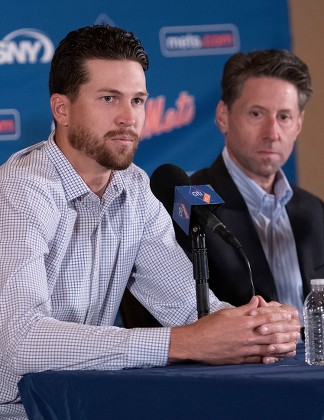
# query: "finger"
{"points": [[262, 302], [280, 327], [274, 309], [271, 351], [290, 309], [237, 360], [282, 350], [272, 322], [240, 310], [253, 304], [285, 308], [253, 359], [274, 303], [267, 360]]}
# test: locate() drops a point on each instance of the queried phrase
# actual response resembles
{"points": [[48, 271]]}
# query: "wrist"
{"points": [[181, 344]]}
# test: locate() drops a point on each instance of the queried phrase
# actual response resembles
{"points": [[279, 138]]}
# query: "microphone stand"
{"points": [[200, 269]]}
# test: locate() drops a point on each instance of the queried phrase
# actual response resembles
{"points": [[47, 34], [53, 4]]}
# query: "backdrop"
{"points": [[187, 41]]}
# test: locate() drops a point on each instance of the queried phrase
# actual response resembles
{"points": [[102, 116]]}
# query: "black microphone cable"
{"points": [[207, 218], [163, 182]]}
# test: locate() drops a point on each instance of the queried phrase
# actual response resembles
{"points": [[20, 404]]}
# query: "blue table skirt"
{"points": [[289, 389]]}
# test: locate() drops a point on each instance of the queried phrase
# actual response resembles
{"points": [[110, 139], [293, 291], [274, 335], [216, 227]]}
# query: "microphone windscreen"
{"points": [[163, 182]]}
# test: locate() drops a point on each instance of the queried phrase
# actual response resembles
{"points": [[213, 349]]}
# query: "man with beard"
{"points": [[79, 224]]}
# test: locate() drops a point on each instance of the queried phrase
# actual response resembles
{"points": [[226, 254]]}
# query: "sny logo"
{"points": [[26, 46]]}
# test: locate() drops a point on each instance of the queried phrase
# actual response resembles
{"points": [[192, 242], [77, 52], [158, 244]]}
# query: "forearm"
{"points": [[33, 340], [57, 345]]}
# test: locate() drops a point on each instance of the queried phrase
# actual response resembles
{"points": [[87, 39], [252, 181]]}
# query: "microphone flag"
{"points": [[188, 196]]}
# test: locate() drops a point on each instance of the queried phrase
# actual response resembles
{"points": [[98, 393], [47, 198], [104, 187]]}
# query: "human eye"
{"points": [[108, 98], [284, 116], [138, 101], [254, 113]]}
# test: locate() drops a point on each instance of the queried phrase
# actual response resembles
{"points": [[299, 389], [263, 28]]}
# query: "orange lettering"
{"points": [[170, 120], [186, 106], [159, 121], [154, 112]]}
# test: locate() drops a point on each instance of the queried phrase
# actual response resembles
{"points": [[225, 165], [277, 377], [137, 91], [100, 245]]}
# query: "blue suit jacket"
{"points": [[229, 277]]}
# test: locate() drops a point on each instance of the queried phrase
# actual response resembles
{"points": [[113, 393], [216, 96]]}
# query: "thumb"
{"points": [[248, 307]]}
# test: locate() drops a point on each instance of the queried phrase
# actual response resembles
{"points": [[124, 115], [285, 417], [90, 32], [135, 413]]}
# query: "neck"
{"points": [[267, 185], [94, 175], [266, 182]]}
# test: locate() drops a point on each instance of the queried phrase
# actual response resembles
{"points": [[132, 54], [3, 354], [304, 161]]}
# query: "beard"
{"points": [[106, 152]]}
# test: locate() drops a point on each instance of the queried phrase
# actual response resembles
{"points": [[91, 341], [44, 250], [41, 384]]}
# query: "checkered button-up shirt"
{"points": [[66, 257]]}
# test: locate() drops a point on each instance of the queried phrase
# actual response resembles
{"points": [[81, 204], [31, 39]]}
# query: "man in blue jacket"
{"points": [[281, 227]]}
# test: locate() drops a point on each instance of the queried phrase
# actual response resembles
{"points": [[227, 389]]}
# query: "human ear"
{"points": [[300, 122], [221, 116], [59, 106]]}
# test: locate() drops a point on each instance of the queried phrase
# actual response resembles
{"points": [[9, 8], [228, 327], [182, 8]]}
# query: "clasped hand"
{"points": [[252, 333]]}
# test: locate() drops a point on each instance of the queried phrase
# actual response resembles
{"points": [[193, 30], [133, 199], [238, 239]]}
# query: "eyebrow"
{"points": [[266, 109], [118, 92]]}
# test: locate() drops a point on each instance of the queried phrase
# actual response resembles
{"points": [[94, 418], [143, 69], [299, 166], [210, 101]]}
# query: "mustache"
{"points": [[115, 133]]}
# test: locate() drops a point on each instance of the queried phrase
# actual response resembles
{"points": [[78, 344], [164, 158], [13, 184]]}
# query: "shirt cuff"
{"points": [[148, 347]]}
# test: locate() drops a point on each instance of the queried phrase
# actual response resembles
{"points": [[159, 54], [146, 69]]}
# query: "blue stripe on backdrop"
{"points": [[188, 43]]}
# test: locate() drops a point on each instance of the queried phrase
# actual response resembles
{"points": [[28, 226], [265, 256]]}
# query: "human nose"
{"points": [[271, 129], [125, 116]]}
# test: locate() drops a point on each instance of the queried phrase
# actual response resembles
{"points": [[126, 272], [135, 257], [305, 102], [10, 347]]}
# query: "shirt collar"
{"points": [[73, 184]]}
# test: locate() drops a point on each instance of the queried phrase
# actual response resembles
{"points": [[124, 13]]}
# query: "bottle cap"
{"points": [[317, 282]]}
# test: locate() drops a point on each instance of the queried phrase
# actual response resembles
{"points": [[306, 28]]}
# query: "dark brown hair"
{"points": [[105, 42], [280, 64]]}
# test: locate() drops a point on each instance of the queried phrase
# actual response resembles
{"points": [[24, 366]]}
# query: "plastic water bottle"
{"points": [[314, 323]]}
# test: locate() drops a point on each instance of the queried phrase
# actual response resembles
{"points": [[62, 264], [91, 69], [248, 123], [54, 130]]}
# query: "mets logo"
{"points": [[180, 41], [26, 46]]}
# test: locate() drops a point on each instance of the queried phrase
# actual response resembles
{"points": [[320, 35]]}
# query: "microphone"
{"points": [[163, 182], [172, 186]]}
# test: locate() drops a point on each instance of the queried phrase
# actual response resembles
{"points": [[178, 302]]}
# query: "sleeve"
{"points": [[30, 338]]}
